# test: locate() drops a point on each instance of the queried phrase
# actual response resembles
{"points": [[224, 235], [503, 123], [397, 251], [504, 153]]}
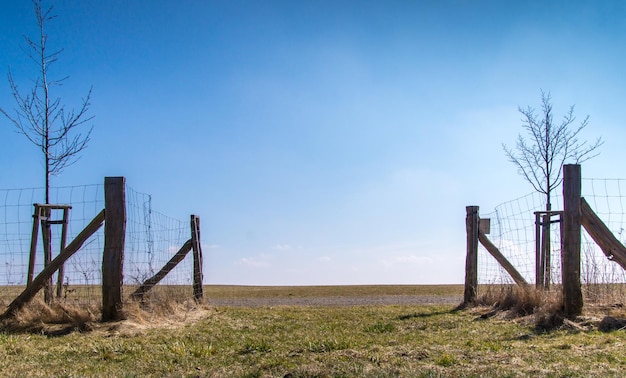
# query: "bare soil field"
{"points": [[355, 295]]}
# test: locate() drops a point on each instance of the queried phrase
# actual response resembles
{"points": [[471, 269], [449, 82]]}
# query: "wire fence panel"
{"points": [[16, 226], [513, 232], [600, 275], [152, 238]]}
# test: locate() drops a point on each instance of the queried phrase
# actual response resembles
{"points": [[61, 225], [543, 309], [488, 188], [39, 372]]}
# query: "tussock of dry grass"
{"points": [[165, 313], [520, 301], [60, 319], [37, 317], [544, 309]]}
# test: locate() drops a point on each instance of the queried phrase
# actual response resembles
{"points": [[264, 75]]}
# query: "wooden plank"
{"points": [[47, 272], [197, 258], [114, 238], [33, 245], [612, 248], [46, 236], [546, 251], [53, 206], [150, 282], [538, 256], [471, 259], [570, 241], [495, 252], [61, 273]]}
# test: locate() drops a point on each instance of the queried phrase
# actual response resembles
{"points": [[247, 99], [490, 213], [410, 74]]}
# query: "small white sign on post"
{"points": [[485, 226]]}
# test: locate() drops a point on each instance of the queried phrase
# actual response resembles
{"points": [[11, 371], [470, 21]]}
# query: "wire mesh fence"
{"points": [[151, 240], [513, 232]]}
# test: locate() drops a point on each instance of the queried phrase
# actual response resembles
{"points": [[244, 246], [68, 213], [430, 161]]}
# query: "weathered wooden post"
{"points": [[570, 241], [197, 258], [471, 259], [113, 257], [33, 245], [61, 272], [46, 235], [538, 255], [547, 249]]}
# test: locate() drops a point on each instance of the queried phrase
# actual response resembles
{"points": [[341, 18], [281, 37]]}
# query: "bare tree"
{"points": [[42, 118], [540, 158]]}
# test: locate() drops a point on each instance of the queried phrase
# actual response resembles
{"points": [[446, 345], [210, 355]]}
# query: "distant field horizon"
{"points": [[219, 291]]}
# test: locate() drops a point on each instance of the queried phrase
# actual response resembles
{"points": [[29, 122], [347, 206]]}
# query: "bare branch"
{"points": [[41, 118], [540, 159]]}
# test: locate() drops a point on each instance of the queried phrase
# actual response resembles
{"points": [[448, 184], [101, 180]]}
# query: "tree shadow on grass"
{"points": [[421, 315], [52, 330]]}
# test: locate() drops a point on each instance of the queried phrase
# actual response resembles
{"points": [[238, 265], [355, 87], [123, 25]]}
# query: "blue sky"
{"points": [[321, 142]]}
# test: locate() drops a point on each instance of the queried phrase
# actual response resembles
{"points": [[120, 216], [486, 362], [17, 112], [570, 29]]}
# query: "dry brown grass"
{"points": [[38, 317], [61, 318], [544, 309], [519, 300]]}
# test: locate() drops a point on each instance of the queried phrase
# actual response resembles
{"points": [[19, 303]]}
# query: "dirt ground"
{"points": [[372, 300]]}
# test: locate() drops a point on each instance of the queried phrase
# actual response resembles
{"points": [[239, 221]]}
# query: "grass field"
{"points": [[305, 341], [218, 291]]}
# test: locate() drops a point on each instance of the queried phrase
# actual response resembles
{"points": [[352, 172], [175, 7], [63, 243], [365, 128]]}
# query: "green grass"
{"points": [[307, 341], [381, 341]]}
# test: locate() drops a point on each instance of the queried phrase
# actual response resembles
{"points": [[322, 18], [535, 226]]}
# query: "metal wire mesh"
{"points": [[151, 240], [513, 232]]}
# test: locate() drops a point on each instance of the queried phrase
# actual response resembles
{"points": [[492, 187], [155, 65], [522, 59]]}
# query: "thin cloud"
{"points": [[286, 247], [407, 260], [255, 262]]}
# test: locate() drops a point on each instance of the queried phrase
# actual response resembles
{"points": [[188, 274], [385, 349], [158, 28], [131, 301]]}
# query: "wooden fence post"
{"points": [[546, 250], [471, 259], [197, 258], [46, 236], [113, 256], [570, 241], [33, 245], [538, 256], [66, 218]]}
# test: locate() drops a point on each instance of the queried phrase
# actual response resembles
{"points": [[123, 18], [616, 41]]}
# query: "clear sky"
{"points": [[321, 142]]}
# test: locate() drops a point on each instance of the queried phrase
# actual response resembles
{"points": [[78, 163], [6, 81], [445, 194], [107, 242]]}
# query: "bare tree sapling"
{"points": [[41, 117], [540, 158]]}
